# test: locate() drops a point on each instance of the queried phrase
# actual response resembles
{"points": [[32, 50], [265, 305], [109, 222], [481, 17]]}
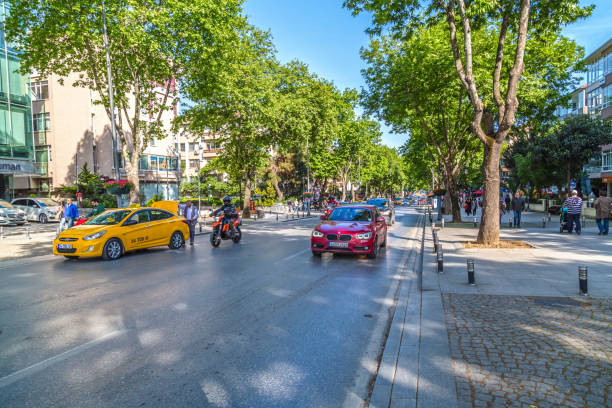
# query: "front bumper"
{"points": [[355, 246], [80, 248]]}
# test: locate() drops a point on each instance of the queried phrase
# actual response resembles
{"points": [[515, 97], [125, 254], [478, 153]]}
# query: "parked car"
{"points": [[386, 208], [9, 215], [39, 209]]}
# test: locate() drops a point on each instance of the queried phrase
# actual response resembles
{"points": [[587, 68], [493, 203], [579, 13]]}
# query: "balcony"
{"points": [[40, 138]]}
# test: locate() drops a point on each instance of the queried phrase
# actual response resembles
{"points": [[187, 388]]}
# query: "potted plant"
{"points": [[118, 187]]}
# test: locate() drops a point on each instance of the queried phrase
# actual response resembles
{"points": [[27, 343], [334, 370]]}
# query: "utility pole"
{"points": [[111, 103]]}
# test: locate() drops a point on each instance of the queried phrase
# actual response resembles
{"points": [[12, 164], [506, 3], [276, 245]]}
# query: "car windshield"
{"points": [[47, 202], [109, 217], [379, 202], [5, 204], [350, 214]]}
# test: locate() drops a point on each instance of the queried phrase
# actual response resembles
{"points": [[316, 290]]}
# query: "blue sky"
{"points": [[328, 38]]}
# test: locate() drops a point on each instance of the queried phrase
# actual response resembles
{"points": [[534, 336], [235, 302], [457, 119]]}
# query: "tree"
{"points": [[413, 87], [153, 44], [526, 32], [569, 145]]}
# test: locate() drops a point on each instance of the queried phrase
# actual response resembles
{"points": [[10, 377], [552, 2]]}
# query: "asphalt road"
{"points": [[257, 324]]}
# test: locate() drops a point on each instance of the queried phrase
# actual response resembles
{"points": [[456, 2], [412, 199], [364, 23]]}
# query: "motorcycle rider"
{"points": [[229, 213], [332, 201]]}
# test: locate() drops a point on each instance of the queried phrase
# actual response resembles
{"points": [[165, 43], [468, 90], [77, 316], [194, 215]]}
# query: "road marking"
{"points": [[26, 372], [292, 256]]}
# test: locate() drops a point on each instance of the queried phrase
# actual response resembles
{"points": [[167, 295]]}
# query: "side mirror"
{"points": [[380, 219], [324, 217], [130, 222]]}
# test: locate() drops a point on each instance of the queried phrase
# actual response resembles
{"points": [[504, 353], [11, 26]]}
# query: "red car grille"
{"points": [[335, 237]]}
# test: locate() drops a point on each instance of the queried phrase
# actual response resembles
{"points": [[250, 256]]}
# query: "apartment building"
{"points": [[71, 130], [196, 152], [598, 98], [16, 140]]}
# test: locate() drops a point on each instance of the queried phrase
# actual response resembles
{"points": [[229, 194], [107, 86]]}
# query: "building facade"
{"points": [[598, 98], [196, 152], [16, 140], [71, 131]]}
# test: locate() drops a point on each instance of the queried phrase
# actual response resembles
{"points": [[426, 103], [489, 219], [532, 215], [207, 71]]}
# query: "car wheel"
{"points": [[316, 253], [112, 249], [374, 253], [176, 240], [70, 257], [384, 243], [238, 236], [42, 218]]}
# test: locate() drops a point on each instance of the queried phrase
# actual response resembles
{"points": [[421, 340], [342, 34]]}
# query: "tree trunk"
{"points": [[489, 224], [131, 170], [247, 194], [352, 194], [274, 178], [451, 193]]}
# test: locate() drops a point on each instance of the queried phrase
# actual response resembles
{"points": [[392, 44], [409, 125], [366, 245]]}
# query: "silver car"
{"points": [[9, 215], [39, 209]]}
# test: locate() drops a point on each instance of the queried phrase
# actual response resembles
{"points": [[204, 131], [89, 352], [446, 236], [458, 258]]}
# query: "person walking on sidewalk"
{"points": [[574, 208], [518, 206], [508, 201], [71, 213], [191, 215], [602, 213]]}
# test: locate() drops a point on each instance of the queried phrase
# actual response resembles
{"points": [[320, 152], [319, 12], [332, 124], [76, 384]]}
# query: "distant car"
{"points": [[386, 208], [406, 201], [397, 201], [39, 209], [353, 229], [9, 215], [115, 232]]}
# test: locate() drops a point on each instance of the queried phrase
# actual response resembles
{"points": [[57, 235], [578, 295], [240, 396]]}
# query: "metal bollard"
{"points": [[1, 232], [440, 260], [510, 222], [433, 226], [200, 225], [470, 271], [276, 216], [549, 217], [583, 221], [442, 223], [543, 222], [28, 233], [583, 272], [475, 222]]}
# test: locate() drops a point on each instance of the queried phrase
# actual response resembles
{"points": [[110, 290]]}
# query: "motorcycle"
{"points": [[221, 233], [328, 209]]}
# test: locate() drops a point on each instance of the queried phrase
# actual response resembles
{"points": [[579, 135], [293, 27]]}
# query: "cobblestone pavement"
{"points": [[515, 351]]}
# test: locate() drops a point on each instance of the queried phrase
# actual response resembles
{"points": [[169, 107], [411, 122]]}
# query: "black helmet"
{"points": [[227, 200], [331, 197]]}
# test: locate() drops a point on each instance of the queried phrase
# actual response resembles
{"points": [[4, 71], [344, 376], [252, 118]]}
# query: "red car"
{"points": [[354, 229]]}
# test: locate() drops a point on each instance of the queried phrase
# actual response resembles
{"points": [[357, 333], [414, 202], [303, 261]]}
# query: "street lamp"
{"points": [[111, 102]]}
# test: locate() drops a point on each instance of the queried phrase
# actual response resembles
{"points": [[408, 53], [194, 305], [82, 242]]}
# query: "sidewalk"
{"points": [[522, 336]]}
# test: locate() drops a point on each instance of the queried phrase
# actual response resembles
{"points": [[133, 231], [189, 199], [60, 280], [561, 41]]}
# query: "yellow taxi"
{"points": [[115, 232]]}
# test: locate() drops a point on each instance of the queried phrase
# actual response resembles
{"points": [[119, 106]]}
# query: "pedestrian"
{"points": [[71, 213], [60, 217], [508, 201], [574, 208], [97, 208], [468, 206], [289, 206], [502, 211], [191, 215], [602, 213], [518, 206]]}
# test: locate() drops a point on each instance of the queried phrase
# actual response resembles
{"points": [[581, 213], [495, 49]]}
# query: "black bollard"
{"points": [[510, 222], [470, 271], [583, 272], [475, 222], [440, 260]]}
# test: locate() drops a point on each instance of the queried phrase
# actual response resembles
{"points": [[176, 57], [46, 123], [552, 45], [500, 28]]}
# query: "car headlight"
{"points": [[364, 235], [317, 234], [94, 236]]}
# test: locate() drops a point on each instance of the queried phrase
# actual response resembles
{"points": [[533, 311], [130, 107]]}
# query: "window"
{"points": [[182, 165], [183, 147], [193, 147], [41, 121], [194, 164], [143, 163], [607, 96], [40, 90], [158, 215], [594, 100], [141, 217]]}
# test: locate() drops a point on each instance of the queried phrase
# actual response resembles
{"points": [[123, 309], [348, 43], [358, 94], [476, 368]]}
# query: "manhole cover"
{"points": [[557, 301]]}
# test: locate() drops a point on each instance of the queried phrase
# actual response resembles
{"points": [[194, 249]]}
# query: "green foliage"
{"points": [[152, 45], [89, 183], [153, 199]]}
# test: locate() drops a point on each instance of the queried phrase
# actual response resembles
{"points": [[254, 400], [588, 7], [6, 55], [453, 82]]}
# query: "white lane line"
{"points": [[26, 372], [292, 256]]}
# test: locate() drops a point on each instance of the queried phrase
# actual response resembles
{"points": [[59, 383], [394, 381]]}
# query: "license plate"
{"points": [[64, 246], [338, 244]]}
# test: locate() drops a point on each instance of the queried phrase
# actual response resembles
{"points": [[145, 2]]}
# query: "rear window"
{"points": [[350, 214], [379, 202]]}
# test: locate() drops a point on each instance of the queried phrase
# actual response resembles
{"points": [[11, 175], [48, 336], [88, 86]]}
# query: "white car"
{"points": [[39, 209], [9, 215]]}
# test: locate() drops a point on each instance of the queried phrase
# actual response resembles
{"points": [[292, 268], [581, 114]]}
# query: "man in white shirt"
{"points": [[191, 214]]}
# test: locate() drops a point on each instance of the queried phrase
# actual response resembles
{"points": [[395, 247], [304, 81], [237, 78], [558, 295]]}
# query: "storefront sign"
{"points": [[20, 167], [606, 180]]}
